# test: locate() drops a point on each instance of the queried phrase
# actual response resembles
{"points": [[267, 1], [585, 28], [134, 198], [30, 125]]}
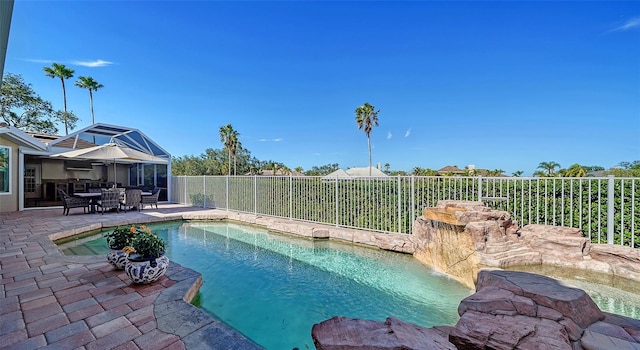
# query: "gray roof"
{"points": [[364, 172], [338, 174]]}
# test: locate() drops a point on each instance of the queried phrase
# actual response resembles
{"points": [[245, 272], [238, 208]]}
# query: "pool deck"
{"points": [[52, 301]]}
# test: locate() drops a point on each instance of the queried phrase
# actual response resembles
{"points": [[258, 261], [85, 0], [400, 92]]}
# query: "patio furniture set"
{"points": [[109, 199]]}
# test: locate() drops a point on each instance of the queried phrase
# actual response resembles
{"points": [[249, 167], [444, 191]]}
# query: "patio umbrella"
{"points": [[112, 152]]}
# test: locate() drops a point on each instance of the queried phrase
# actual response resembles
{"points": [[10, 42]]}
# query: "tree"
{"points": [[60, 71], [229, 137], [91, 85], [576, 170], [22, 108], [549, 167], [299, 169], [367, 118], [67, 118], [322, 170], [517, 173], [387, 168]]}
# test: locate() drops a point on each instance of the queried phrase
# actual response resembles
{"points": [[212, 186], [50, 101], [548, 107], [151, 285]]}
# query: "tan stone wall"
{"points": [[9, 202]]}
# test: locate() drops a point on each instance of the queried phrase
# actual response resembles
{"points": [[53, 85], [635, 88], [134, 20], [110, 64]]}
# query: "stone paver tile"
{"points": [[16, 315], [130, 345], [31, 273], [9, 304], [54, 283], [65, 286], [6, 340], [72, 290], [80, 304], [156, 339], [44, 325], [108, 315], [20, 291], [66, 331], [48, 276], [151, 289], [19, 284], [36, 294], [109, 295], [179, 345], [75, 341], [37, 302], [142, 315], [102, 288], [41, 312], [52, 268], [114, 339], [142, 302], [148, 327], [85, 313], [123, 299], [9, 326], [30, 343], [72, 298], [110, 327]]}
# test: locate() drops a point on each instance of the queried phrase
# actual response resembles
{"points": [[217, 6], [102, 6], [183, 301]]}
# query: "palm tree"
{"points": [[91, 85], [230, 139], [367, 118], [549, 167], [60, 71], [517, 173]]}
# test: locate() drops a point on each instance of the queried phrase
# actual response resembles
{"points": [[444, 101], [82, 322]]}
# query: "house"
{"points": [[354, 173], [31, 173], [451, 170]]}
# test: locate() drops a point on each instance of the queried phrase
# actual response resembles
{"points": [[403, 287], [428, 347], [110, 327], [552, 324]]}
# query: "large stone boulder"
{"points": [[510, 310], [341, 333], [513, 309]]}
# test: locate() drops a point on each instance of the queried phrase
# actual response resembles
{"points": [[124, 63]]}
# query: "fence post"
{"points": [[204, 191], [336, 201], [185, 190], [610, 208], [480, 188], [290, 197], [255, 195], [227, 192], [399, 206], [413, 204]]}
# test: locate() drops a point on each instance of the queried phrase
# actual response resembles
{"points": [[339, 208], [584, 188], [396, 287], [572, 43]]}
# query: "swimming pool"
{"points": [[273, 288]]}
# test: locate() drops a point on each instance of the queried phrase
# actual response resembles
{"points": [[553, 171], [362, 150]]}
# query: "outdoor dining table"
{"points": [[93, 196]]}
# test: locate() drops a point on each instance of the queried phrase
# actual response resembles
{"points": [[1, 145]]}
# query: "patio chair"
{"points": [[152, 199], [131, 199], [73, 202], [109, 200]]}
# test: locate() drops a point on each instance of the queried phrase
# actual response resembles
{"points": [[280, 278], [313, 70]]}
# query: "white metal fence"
{"points": [[606, 209]]}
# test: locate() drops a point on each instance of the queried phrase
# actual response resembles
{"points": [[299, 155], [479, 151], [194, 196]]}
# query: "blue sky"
{"points": [[500, 85]]}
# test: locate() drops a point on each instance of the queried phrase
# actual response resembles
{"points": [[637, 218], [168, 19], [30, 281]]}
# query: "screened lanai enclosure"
{"points": [[85, 159]]}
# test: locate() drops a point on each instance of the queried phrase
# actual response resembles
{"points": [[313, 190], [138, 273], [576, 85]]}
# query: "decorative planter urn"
{"points": [[146, 270], [117, 257]]}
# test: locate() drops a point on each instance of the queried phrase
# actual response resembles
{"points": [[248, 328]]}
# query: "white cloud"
{"points": [[92, 64], [38, 60], [631, 24], [389, 135], [271, 140], [407, 133]]}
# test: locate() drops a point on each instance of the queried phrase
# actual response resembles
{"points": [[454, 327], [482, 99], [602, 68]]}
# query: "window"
{"points": [[5, 173]]}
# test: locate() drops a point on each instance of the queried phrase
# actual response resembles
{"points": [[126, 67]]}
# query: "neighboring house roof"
{"points": [[67, 143], [364, 172], [451, 169], [21, 138], [338, 174]]}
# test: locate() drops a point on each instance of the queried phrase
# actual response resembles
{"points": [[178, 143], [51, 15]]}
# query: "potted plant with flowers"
{"points": [[146, 261], [117, 239]]}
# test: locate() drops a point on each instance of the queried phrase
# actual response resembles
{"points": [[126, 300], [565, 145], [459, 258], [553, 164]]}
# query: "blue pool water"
{"points": [[273, 288]]}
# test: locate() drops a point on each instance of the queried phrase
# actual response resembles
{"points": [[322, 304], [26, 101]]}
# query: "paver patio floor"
{"points": [[52, 301]]}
